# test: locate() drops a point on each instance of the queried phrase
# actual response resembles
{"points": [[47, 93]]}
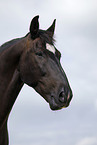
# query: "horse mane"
{"points": [[8, 44]]}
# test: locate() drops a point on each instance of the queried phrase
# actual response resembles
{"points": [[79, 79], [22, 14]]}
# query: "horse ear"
{"points": [[52, 28], [34, 27]]}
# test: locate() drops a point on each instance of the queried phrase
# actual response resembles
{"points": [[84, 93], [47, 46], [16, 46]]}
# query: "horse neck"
{"points": [[10, 82]]}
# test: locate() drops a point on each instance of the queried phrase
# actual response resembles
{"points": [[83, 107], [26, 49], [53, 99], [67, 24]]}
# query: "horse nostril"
{"points": [[62, 97]]}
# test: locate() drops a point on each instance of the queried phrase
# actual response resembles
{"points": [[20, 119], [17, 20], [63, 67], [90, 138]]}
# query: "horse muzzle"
{"points": [[62, 101]]}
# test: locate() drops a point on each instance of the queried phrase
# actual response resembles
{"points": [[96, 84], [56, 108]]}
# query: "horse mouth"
{"points": [[56, 105]]}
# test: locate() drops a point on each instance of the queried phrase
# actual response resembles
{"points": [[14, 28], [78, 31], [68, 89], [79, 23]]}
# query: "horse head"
{"points": [[41, 69]]}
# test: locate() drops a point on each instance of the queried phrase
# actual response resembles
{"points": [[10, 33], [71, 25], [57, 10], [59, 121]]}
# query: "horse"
{"points": [[33, 60]]}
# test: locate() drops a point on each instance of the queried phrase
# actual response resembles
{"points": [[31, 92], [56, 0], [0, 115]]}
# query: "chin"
{"points": [[57, 107]]}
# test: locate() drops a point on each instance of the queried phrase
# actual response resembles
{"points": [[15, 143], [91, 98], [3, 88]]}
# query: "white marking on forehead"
{"points": [[50, 48]]}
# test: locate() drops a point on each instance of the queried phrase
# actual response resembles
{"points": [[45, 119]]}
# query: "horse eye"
{"points": [[39, 53]]}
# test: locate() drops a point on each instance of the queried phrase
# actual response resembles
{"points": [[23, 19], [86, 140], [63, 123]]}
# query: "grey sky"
{"points": [[76, 38]]}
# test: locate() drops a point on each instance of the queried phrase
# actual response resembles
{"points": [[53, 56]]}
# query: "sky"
{"points": [[31, 121]]}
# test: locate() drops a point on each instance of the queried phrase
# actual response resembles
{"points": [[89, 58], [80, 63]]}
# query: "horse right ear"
{"points": [[34, 27]]}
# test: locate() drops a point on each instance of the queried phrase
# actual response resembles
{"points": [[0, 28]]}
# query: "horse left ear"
{"points": [[51, 28], [34, 27]]}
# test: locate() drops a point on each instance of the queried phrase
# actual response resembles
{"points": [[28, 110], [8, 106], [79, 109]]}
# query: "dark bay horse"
{"points": [[33, 60]]}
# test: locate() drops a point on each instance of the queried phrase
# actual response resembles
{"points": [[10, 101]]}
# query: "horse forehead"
{"points": [[50, 48]]}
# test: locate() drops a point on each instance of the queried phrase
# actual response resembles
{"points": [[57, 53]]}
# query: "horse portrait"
{"points": [[33, 60]]}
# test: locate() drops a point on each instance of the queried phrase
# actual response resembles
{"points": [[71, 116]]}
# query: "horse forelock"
{"points": [[44, 35]]}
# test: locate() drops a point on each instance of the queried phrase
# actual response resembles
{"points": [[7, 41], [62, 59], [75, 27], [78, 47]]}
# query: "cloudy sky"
{"points": [[31, 121]]}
